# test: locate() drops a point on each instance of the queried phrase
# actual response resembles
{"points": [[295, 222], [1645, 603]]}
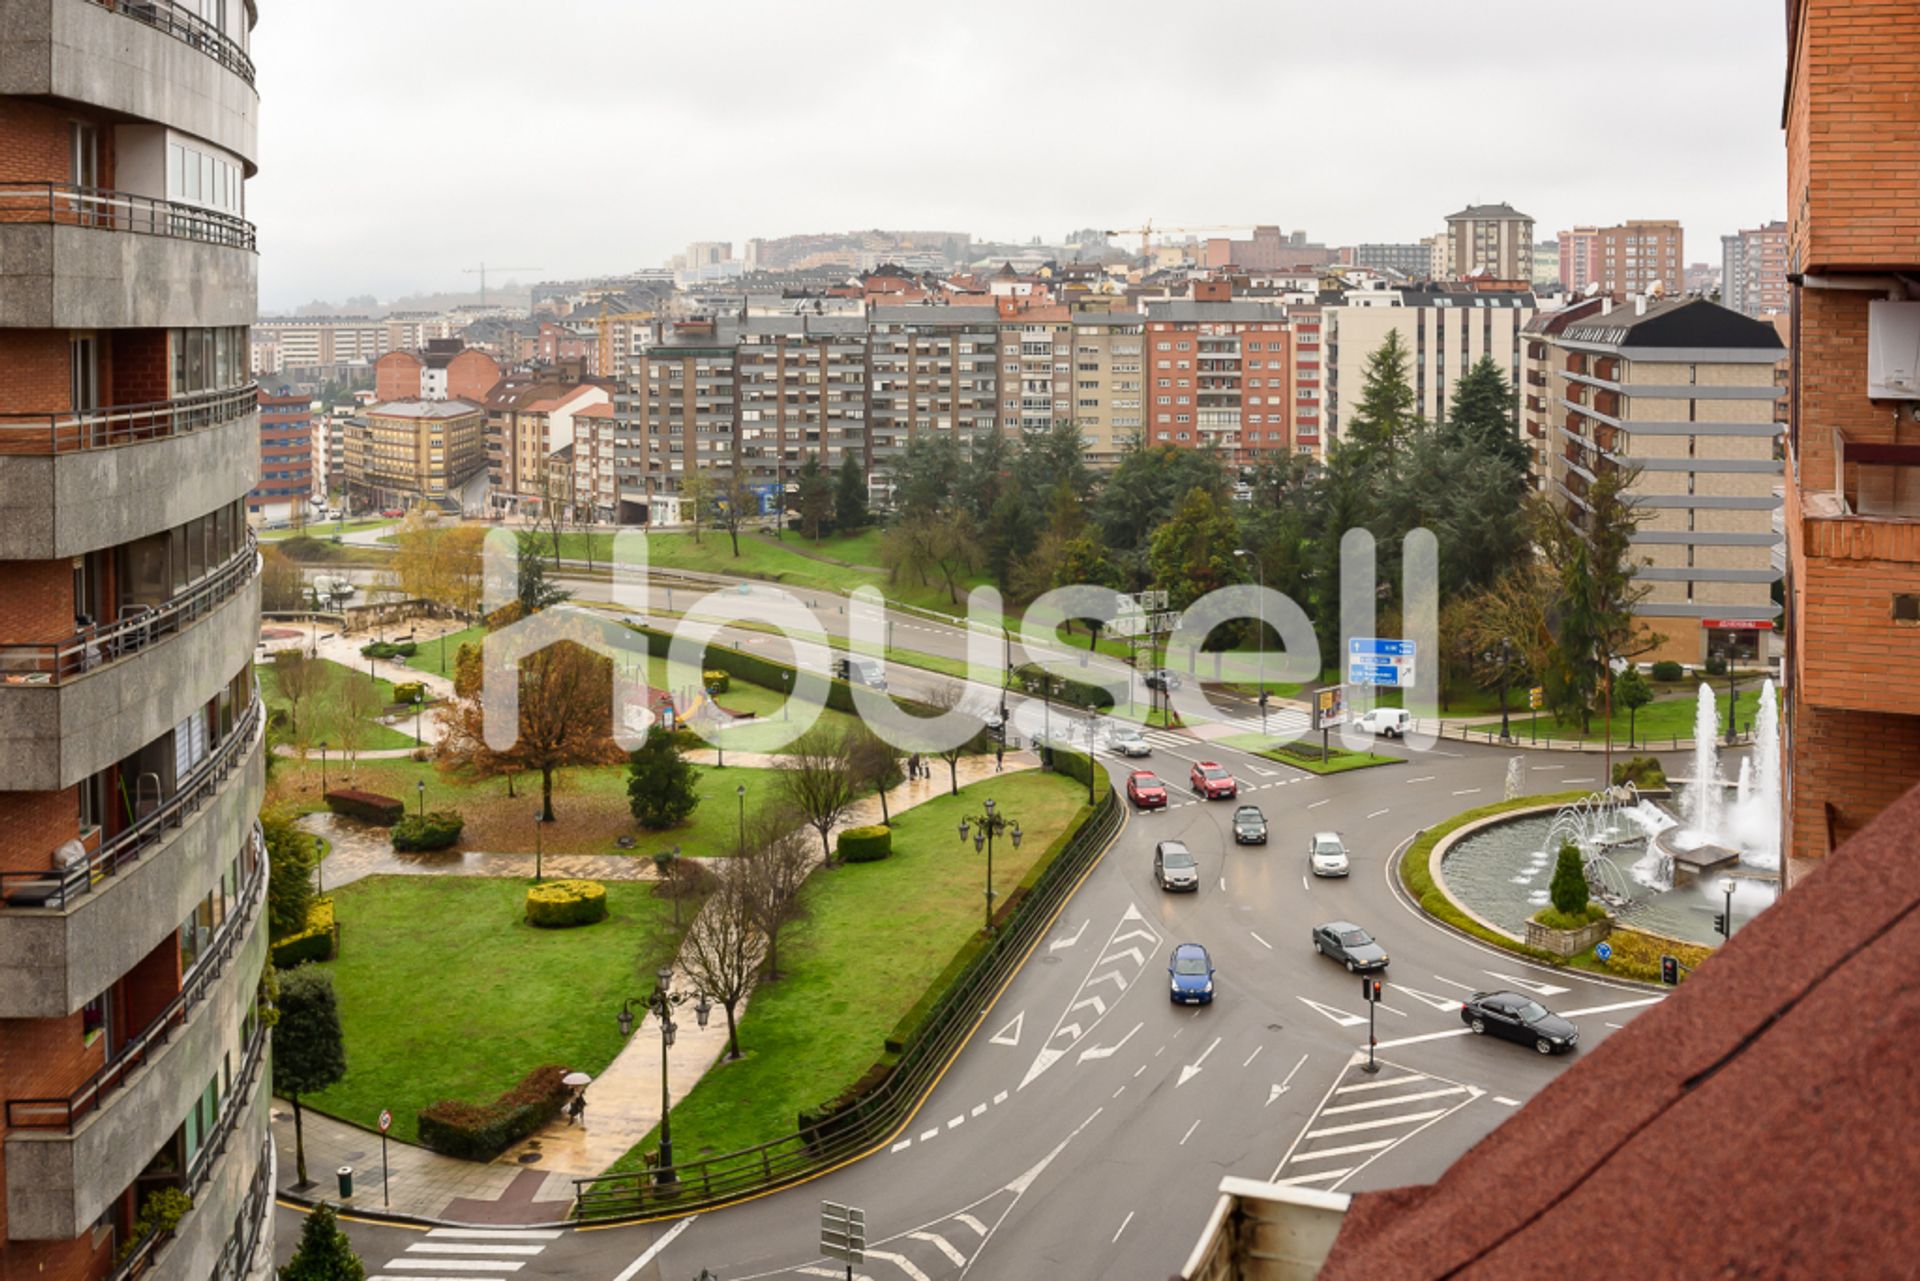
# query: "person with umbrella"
{"points": [[577, 1107]]}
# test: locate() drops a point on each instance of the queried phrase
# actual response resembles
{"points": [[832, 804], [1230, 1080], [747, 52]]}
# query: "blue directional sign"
{"points": [[1379, 647], [1604, 951], [1380, 661]]}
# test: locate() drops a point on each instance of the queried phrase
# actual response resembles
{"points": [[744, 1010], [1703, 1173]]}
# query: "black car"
{"points": [[1163, 680], [1249, 826], [1518, 1018], [1345, 941]]}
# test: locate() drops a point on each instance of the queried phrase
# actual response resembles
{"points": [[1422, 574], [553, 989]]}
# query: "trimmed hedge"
{"points": [[559, 904], [388, 649], [1642, 771], [370, 806], [480, 1132], [409, 692], [420, 832], [864, 844], [315, 943], [717, 682], [1668, 670], [1072, 692], [1555, 919], [764, 672]]}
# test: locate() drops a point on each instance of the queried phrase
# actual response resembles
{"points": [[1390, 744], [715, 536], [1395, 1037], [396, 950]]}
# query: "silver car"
{"points": [[1127, 741], [1327, 854]]}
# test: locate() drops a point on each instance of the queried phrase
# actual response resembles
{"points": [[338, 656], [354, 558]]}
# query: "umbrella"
{"points": [[575, 1078]]}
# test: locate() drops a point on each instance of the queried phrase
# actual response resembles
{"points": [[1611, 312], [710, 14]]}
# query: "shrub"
{"points": [[661, 790], [315, 943], [717, 682], [1073, 692], [864, 844], [370, 806], [1554, 919], [559, 904], [160, 1214], [480, 1132], [1642, 771], [819, 1124], [1569, 888], [1636, 955], [388, 649], [410, 692], [1668, 670], [435, 831], [1716, 665]]}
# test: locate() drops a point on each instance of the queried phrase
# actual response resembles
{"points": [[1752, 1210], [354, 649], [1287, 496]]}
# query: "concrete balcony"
{"points": [[237, 1189], [149, 60], [84, 258], [65, 935], [53, 735], [75, 483], [68, 1159]]}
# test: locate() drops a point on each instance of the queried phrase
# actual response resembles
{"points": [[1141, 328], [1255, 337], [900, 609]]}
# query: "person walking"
{"points": [[577, 1110], [999, 756]]}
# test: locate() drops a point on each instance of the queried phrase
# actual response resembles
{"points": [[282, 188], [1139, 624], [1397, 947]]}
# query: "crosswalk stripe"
{"points": [[1348, 1150], [1321, 1177], [492, 1247], [459, 1265], [941, 1244], [1381, 1085], [971, 1222], [836, 1273], [900, 1261], [493, 1234], [1375, 1125], [1393, 1101]]}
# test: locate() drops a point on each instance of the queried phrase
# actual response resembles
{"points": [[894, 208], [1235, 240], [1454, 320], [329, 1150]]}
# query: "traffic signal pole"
{"points": [[1370, 988]]}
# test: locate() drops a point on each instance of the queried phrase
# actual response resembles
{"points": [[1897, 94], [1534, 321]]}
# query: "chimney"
{"points": [[1606, 305], [1639, 304]]}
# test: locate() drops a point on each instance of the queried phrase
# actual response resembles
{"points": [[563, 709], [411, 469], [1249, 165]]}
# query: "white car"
{"points": [[1328, 854], [1387, 722], [1126, 740]]}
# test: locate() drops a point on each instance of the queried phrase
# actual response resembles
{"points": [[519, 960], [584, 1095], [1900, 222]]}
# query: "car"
{"points": [[1518, 1018], [1174, 867], [1249, 826], [393, 512], [1386, 722], [1348, 943], [1146, 791], [859, 671], [1212, 780], [1161, 679], [1190, 975], [1127, 741], [1327, 854]]}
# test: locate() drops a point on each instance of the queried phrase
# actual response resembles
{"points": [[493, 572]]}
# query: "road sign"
{"points": [[1380, 661], [843, 1232], [386, 1120], [1604, 951], [1330, 707], [1537, 697], [1379, 647]]}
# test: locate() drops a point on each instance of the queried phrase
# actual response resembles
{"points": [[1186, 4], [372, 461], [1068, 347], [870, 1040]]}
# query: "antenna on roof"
{"points": [[1592, 290]]}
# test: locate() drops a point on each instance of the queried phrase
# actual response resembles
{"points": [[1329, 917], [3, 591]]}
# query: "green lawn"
{"points": [[428, 658], [874, 936], [464, 1008], [374, 735], [1305, 755], [311, 550], [326, 529], [1655, 725]]}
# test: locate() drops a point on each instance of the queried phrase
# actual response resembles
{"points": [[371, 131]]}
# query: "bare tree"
{"points": [[775, 869], [949, 698], [565, 691], [696, 496], [875, 763], [817, 781], [725, 947], [359, 702], [299, 678], [735, 503]]}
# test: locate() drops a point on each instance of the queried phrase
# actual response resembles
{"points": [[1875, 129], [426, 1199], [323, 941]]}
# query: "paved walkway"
{"points": [[360, 849]]}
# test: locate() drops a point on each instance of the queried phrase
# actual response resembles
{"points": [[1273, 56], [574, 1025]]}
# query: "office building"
{"points": [[1490, 240], [1753, 270], [286, 458], [1445, 329], [407, 452]]}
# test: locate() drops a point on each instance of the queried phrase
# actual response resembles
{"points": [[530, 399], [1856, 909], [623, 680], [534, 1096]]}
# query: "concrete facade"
{"points": [[65, 277]]}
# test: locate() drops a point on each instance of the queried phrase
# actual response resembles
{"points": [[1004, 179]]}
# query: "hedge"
{"points": [[371, 806], [1636, 954], [559, 904], [480, 1132], [764, 672], [1072, 692], [409, 692], [315, 943], [1668, 670], [864, 844], [1641, 771], [435, 831], [388, 649], [818, 1123]]}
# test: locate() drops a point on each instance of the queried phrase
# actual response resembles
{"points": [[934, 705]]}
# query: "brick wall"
{"points": [[35, 142], [1860, 762], [33, 824], [140, 374], [396, 376], [39, 596], [471, 375], [35, 373], [43, 1058], [149, 985]]}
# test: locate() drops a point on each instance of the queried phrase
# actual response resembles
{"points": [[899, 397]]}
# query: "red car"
{"points": [[1146, 791], [1211, 780]]}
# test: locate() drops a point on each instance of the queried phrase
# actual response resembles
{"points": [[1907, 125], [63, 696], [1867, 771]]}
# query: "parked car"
{"points": [[1348, 943], [859, 671], [1249, 826], [1161, 679], [1190, 975], [1127, 741], [1327, 854], [1518, 1018], [1386, 722], [394, 513], [1146, 791], [1212, 780], [1174, 867]]}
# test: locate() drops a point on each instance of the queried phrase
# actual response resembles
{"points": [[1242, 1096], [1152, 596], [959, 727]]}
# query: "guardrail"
{"points": [[1518, 737], [69, 205], [39, 663], [57, 888], [119, 425], [719, 1179], [189, 28], [65, 1113]]}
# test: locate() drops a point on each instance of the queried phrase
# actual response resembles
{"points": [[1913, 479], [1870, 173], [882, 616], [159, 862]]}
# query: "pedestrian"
{"points": [[577, 1110], [999, 756]]}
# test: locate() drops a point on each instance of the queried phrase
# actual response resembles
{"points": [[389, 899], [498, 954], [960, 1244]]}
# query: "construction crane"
{"points": [[482, 270], [1146, 233]]}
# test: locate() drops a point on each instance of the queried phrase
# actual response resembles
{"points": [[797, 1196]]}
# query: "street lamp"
{"points": [[419, 706], [539, 841], [421, 785], [323, 768], [1726, 922], [719, 749], [1502, 659], [663, 862], [985, 827], [741, 792], [660, 1003], [1260, 628], [1733, 701]]}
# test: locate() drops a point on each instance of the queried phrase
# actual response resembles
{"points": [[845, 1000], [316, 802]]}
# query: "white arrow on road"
{"points": [[1071, 1031], [1341, 1017], [1445, 1004], [1108, 1051], [1108, 977], [1057, 944], [1192, 1069], [1010, 1034], [1099, 1006], [1139, 957], [1531, 985], [1153, 940], [1275, 1091]]}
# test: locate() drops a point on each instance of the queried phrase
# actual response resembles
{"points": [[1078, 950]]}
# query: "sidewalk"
{"points": [[360, 849]]}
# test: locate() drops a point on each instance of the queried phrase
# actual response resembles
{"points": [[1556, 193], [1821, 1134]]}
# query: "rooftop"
{"points": [[1679, 322], [1488, 211], [423, 409]]}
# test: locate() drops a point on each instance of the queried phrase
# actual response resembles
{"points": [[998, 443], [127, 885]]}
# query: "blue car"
{"points": [[1190, 972]]}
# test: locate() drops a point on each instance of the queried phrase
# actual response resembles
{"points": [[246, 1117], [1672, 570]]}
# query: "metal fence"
{"points": [[189, 28], [872, 1119], [119, 425], [68, 205]]}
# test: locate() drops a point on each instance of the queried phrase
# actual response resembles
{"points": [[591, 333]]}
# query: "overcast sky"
{"points": [[404, 140]]}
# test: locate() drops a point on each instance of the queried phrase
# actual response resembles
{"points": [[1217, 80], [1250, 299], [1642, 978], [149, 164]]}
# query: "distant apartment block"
{"points": [[1546, 267], [531, 419], [446, 369], [1414, 261], [1641, 256], [407, 452], [1268, 249], [1445, 330], [935, 370], [286, 458], [677, 416], [1579, 252], [1753, 270], [802, 395], [1492, 240], [1109, 382], [1220, 374]]}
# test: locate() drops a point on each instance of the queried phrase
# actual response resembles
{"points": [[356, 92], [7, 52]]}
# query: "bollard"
{"points": [[346, 1182]]}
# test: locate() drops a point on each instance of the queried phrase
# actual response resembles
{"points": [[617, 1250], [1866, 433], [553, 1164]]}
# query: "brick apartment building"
{"points": [[1753, 270], [802, 394], [406, 452], [286, 457], [132, 878], [1641, 256], [445, 369], [1220, 372], [529, 419], [1852, 514]]}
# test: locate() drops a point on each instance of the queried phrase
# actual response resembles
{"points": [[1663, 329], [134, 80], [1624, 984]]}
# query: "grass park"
{"points": [[1657, 724], [326, 715]]}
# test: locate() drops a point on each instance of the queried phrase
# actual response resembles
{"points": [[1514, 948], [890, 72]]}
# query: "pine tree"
{"points": [[1481, 416], [1569, 888], [814, 500], [1384, 418], [850, 496], [309, 1050], [324, 1253], [660, 783]]}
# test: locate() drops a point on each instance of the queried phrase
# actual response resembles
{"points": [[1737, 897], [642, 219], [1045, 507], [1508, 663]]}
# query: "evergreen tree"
{"points": [[1384, 418], [324, 1253], [987, 475], [1482, 415], [924, 475], [850, 496], [814, 500], [1192, 553], [1631, 691], [1148, 484], [1569, 889], [660, 782], [309, 1050], [1344, 497], [291, 855], [534, 590], [1012, 529]]}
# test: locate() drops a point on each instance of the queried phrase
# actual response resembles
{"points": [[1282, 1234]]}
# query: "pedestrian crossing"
{"points": [[937, 1251], [468, 1254], [1364, 1116]]}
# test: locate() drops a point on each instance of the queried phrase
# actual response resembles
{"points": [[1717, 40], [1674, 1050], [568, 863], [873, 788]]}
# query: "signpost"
{"points": [[1330, 709], [843, 1234], [1536, 699], [386, 1123], [1604, 951], [1380, 661]]}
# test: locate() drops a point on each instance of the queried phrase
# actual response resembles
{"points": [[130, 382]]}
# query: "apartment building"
{"points": [[596, 479], [1753, 270], [802, 395], [1492, 240], [405, 452], [1220, 373], [1683, 391], [132, 878], [1546, 267], [286, 458], [1641, 256], [1852, 516], [529, 420], [444, 369], [931, 370], [1036, 365], [676, 416], [1445, 329], [1542, 383], [1413, 261], [324, 345], [330, 448], [1109, 379], [1579, 252]]}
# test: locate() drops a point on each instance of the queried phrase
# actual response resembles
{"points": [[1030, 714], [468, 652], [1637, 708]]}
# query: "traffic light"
{"points": [[1669, 970], [1720, 924], [1370, 989], [1263, 699]]}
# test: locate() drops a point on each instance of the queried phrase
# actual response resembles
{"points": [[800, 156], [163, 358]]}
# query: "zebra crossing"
{"points": [[935, 1251], [1363, 1117], [467, 1254]]}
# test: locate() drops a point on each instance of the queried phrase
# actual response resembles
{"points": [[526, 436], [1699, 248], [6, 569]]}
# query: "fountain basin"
{"points": [[1694, 858]]}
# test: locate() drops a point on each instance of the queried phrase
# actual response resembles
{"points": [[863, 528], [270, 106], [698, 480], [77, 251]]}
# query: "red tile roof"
{"points": [[1763, 1122]]}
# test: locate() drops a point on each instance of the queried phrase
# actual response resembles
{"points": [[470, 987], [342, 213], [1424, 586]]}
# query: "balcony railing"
{"points": [[57, 662], [189, 28], [65, 1113], [68, 205], [57, 888], [120, 425]]}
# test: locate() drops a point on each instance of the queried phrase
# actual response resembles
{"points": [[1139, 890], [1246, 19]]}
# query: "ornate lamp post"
{"points": [[985, 827], [741, 792], [323, 768], [661, 1003]]}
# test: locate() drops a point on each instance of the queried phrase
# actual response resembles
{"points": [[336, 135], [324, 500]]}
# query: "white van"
{"points": [[1387, 722], [859, 671]]}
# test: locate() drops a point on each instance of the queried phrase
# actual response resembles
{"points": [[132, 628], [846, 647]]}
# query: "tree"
{"points": [[1632, 692], [817, 781], [734, 503], [946, 544], [775, 868], [1192, 553], [1147, 485], [1383, 418], [1569, 888], [949, 697], [1481, 417], [1084, 563], [566, 693], [533, 590], [874, 762], [813, 500], [324, 1252], [924, 475], [357, 704], [850, 496], [724, 947], [696, 497], [309, 1051], [556, 501], [298, 679], [1011, 529], [282, 584], [1344, 497], [660, 782], [291, 855]]}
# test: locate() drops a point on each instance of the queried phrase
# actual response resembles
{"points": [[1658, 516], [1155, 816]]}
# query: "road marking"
{"points": [[1010, 1034], [900, 1261], [1381, 1124], [957, 1121], [1099, 1006], [1299, 1179], [1445, 1004], [1317, 804], [1531, 985], [1262, 942], [815, 1270], [1609, 1009], [1501, 1098], [1253, 1056], [1382, 1085], [1223, 884], [1468, 791], [1576, 780], [1348, 1150], [978, 1108], [1143, 1067], [1275, 1091], [1139, 957], [1000, 1097], [1123, 1226], [1057, 944], [1304, 884], [1117, 1093], [1108, 1051], [1378, 813], [1110, 977], [1464, 987], [901, 1146], [1340, 1017], [934, 1133], [498, 1247], [1424, 778], [941, 1244], [1427, 1036], [648, 1255], [1190, 1130], [1366, 1105], [458, 1265], [493, 1234], [1188, 1072], [1614, 1025], [1546, 767], [971, 1222]]}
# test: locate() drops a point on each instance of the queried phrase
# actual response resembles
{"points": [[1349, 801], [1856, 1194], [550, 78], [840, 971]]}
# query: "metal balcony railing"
{"points": [[68, 205], [189, 28], [118, 425], [57, 662]]}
